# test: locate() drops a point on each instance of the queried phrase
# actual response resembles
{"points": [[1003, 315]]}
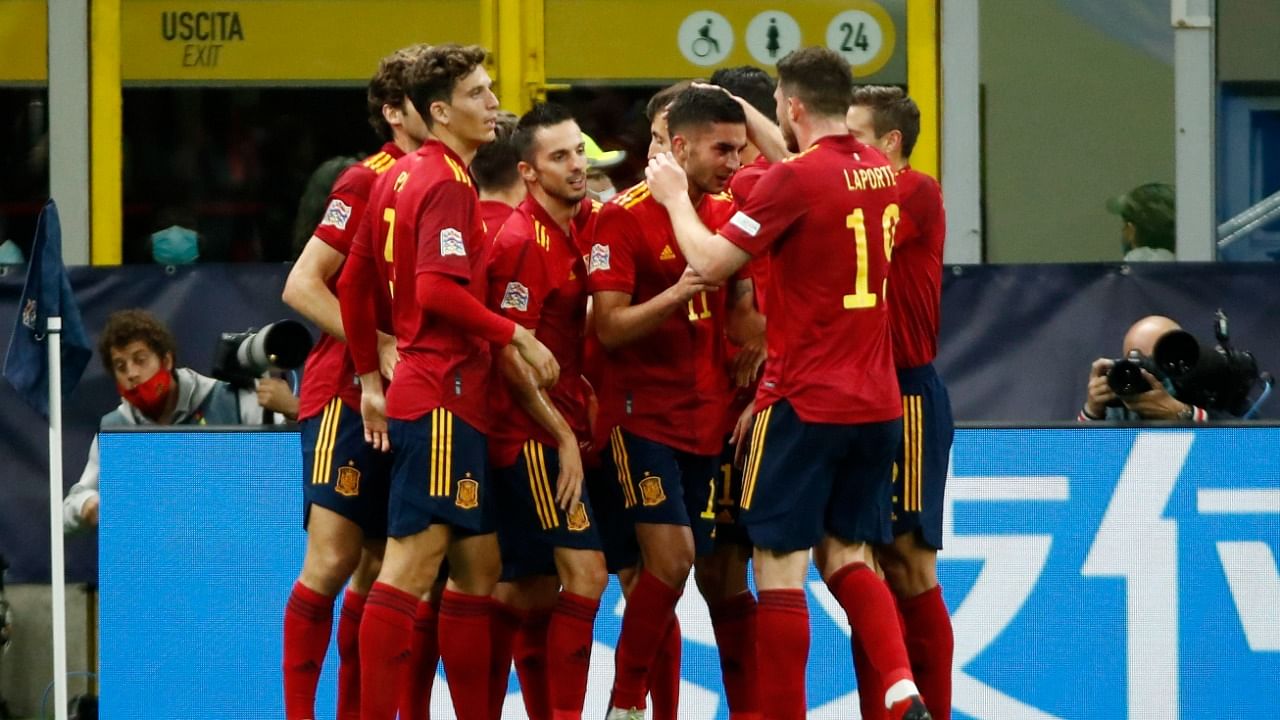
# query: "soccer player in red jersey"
{"points": [[345, 481], [667, 390], [551, 552], [885, 118], [829, 414], [441, 495], [497, 179]]}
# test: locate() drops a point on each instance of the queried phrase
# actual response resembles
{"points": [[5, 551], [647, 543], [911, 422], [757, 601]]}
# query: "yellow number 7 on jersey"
{"points": [[862, 297]]}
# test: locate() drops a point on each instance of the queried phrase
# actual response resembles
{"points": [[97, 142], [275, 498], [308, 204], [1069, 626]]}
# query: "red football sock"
{"points": [[308, 620], [734, 622], [782, 652], [465, 647], [386, 638], [874, 619], [870, 691], [569, 640], [530, 651], [664, 675], [644, 627], [420, 675], [505, 623], [930, 646], [349, 655]]}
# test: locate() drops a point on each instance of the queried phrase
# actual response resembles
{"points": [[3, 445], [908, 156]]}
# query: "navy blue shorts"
{"points": [[665, 486], [729, 529], [608, 503], [920, 472], [806, 480], [530, 524], [439, 475], [343, 473]]}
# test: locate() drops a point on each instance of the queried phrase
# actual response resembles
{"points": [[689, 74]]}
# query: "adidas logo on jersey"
{"points": [[667, 253]]}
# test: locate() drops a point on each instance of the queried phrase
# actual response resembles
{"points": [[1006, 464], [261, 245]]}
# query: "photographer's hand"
{"points": [[1156, 403], [373, 409], [1099, 393]]}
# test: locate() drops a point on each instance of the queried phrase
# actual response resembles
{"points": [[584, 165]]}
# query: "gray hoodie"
{"points": [[201, 401]]}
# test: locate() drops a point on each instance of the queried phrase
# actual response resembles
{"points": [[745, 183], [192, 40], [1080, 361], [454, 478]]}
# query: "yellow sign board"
{"points": [[661, 40], [24, 41], [290, 41]]}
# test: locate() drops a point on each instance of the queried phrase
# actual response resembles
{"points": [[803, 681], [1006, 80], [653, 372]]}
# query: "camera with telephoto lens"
{"points": [[241, 358], [1217, 378]]}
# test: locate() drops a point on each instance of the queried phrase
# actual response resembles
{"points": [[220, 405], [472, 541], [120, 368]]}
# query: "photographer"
{"points": [[138, 351], [1155, 403]]}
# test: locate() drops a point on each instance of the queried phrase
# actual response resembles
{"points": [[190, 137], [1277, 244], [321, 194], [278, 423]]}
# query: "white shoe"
{"points": [[625, 714]]}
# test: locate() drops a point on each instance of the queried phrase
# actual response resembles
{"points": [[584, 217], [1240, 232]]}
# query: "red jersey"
{"points": [[329, 371], [494, 213], [670, 386], [743, 182], [915, 275], [437, 229], [584, 220], [826, 217], [537, 278]]}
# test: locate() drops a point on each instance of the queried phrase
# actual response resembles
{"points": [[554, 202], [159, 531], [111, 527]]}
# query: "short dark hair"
{"points": [[387, 86], [891, 109], [542, 115], [494, 165], [703, 106], [127, 326], [434, 77], [663, 98], [820, 78], [751, 84]]}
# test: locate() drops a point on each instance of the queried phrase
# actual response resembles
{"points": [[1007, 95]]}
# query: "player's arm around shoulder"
{"points": [[712, 257]]}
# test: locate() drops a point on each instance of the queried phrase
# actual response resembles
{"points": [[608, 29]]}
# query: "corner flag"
{"points": [[47, 293]]}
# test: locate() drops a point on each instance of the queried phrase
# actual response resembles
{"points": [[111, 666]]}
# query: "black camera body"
{"points": [[1217, 378], [241, 358]]}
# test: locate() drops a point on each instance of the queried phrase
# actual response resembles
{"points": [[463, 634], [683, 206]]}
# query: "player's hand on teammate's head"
{"points": [[373, 410], [667, 180]]}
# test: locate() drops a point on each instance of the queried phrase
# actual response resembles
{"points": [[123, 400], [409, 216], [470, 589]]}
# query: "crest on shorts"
{"points": [[651, 492], [451, 243], [348, 481], [577, 518], [468, 494]]}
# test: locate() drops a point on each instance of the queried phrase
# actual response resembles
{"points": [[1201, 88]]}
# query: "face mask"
{"points": [[604, 195], [175, 245], [11, 254], [150, 395]]}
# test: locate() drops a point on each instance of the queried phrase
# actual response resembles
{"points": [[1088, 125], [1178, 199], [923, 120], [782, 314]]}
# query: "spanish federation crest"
{"points": [[468, 494], [651, 492], [348, 481], [516, 297], [337, 214], [577, 520], [451, 243], [599, 258]]}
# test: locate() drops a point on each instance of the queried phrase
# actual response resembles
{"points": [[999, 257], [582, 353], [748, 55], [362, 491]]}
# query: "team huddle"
{"points": [[521, 390]]}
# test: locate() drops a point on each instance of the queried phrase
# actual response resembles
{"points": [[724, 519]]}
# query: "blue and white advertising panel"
{"points": [[1092, 573]]}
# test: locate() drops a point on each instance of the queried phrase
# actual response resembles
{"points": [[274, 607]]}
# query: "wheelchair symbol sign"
{"points": [[705, 38]]}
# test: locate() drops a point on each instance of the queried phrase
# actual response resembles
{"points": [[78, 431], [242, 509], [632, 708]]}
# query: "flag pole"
{"points": [[57, 567]]}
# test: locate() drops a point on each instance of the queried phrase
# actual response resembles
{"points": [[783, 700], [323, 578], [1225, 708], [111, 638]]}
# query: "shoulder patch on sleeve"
{"points": [[516, 297], [337, 214], [451, 243], [745, 223], [599, 258]]}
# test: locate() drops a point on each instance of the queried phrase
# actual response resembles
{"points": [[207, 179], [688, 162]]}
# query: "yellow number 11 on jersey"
{"points": [[862, 296]]}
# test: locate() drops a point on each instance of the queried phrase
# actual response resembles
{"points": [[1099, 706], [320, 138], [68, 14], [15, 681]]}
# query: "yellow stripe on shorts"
{"points": [[539, 485], [322, 463], [754, 454], [624, 468]]}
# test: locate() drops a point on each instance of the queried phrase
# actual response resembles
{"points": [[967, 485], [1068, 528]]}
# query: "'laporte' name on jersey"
{"points": [[874, 178]]}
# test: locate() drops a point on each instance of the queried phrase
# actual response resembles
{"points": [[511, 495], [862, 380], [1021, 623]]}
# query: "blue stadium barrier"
{"points": [[1092, 573]]}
